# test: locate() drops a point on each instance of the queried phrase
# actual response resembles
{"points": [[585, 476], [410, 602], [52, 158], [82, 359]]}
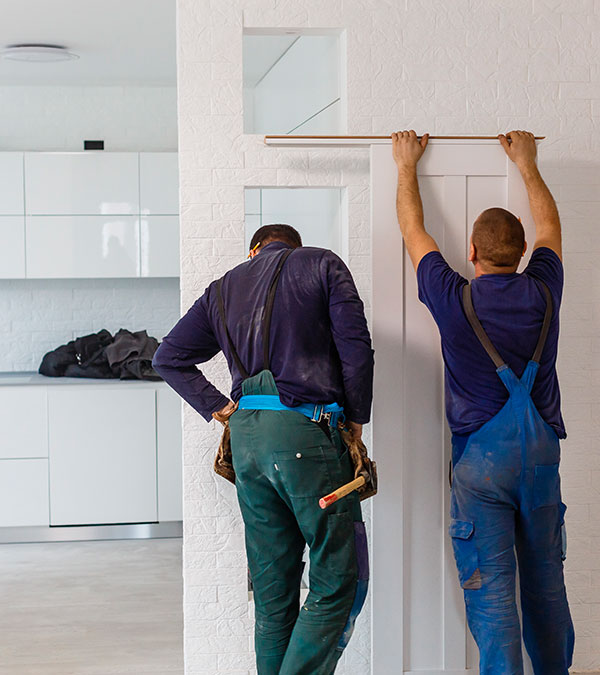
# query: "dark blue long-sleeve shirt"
{"points": [[320, 347]]}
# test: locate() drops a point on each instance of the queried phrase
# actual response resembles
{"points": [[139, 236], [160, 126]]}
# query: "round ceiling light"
{"points": [[38, 53]]}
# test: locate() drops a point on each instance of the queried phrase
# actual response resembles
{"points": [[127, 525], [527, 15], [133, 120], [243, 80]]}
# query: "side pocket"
{"points": [[465, 553], [546, 486], [563, 530]]}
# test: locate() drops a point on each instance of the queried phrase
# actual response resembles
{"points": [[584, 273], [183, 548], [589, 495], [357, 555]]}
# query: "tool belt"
{"points": [[363, 465]]}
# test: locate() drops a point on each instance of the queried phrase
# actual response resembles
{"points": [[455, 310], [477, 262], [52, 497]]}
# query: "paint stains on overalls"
{"points": [[506, 496]]}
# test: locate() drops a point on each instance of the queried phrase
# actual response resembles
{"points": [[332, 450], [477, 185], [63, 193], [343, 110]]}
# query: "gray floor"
{"points": [[91, 608]]}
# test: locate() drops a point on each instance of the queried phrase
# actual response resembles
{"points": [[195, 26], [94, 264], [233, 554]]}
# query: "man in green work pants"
{"points": [[292, 327]]}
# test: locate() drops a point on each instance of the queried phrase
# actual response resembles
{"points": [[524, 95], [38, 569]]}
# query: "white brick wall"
{"points": [[39, 315], [443, 66]]}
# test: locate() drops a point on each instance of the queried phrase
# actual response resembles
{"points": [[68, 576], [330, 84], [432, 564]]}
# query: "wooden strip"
{"points": [[381, 138]]}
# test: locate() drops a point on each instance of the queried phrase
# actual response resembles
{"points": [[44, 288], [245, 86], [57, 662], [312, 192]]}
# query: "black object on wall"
{"points": [[93, 145]]}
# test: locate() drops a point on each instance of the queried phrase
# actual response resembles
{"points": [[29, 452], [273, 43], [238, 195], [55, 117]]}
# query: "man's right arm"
{"points": [[521, 149], [352, 340]]}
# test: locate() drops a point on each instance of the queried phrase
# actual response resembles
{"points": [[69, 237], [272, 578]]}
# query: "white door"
{"points": [[418, 616], [102, 444]]}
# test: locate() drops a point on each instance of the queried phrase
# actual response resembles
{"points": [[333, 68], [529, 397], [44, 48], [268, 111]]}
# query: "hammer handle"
{"points": [[326, 501]]}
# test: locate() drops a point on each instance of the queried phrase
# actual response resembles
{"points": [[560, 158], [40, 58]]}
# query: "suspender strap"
{"points": [[545, 326], [478, 328], [269, 309], [266, 320], [232, 349], [485, 340]]}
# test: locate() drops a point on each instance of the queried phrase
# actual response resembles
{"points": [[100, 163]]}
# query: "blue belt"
{"points": [[332, 412]]}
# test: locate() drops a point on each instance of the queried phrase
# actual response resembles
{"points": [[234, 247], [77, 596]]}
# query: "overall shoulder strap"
{"points": [[478, 328], [545, 326], [269, 309], [268, 313], [232, 349]]}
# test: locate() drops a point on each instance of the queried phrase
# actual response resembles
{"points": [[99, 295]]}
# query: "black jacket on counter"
{"points": [[127, 356]]}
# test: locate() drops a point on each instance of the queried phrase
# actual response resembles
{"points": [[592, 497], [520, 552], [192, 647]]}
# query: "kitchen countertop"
{"points": [[32, 378]]}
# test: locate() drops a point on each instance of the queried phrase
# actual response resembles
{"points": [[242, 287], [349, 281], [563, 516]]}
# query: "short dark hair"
{"points": [[499, 238], [278, 232]]}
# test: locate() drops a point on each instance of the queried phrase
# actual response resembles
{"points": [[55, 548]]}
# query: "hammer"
{"points": [[329, 499]]}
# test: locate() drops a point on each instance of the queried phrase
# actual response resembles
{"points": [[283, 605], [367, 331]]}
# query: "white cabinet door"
{"points": [[418, 614], [24, 422], [23, 492], [62, 247], [168, 434], [159, 246], [11, 184], [159, 183], [12, 247], [102, 455], [81, 183]]}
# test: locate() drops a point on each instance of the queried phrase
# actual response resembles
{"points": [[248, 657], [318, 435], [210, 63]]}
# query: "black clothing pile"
{"points": [[126, 356]]}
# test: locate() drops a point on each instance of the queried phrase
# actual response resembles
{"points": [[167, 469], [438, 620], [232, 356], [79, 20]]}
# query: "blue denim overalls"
{"points": [[506, 495]]}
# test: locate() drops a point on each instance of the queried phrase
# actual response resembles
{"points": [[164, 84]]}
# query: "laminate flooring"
{"points": [[91, 608]]}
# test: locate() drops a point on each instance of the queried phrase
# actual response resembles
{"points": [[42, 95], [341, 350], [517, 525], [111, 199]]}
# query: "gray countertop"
{"points": [[32, 378]]}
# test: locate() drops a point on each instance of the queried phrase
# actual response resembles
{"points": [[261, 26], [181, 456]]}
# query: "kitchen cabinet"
{"points": [[12, 250], [24, 423], [169, 455], [11, 184], [81, 183], [102, 456], [159, 246], [23, 492], [60, 247], [159, 183]]}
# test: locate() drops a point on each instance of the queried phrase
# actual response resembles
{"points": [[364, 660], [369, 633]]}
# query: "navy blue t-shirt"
{"points": [[511, 309]]}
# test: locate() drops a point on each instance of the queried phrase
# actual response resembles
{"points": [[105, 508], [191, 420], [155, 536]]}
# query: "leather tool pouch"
{"points": [[363, 465], [223, 461]]}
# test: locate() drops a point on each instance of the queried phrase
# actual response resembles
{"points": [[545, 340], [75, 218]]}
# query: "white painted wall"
{"points": [[40, 315], [447, 67], [62, 117]]}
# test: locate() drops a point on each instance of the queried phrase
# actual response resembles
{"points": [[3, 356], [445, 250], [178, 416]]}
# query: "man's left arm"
{"points": [[190, 342], [407, 150]]}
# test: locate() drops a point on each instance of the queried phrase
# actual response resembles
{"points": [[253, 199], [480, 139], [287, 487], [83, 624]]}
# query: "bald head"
{"points": [[498, 238]]}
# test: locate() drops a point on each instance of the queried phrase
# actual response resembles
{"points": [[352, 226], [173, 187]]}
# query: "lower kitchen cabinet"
{"points": [[23, 492], [102, 449]]}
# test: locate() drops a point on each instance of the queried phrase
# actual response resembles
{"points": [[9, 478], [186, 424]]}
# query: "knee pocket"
{"points": [[465, 553]]}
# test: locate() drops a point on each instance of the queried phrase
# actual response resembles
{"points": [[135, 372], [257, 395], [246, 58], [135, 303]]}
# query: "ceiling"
{"points": [[261, 52], [118, 41]]}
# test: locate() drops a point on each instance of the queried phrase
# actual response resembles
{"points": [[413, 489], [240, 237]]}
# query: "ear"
{"points": [[524, 249], [472, 252]]}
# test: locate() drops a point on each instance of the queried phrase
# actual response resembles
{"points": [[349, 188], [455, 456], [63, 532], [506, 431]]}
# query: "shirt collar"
{"points": [[275, 246]]}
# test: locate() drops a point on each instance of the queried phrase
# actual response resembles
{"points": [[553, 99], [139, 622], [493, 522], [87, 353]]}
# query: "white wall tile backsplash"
{"points": [[39, 315]]}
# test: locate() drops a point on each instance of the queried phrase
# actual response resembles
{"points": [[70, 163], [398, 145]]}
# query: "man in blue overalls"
{"points": [[292, 327], [499, 343]]}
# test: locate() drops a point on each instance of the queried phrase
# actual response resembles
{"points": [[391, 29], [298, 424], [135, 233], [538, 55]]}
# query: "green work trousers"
{"points": [[284, 463]]}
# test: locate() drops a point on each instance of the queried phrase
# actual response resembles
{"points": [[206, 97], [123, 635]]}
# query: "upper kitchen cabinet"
{"points": [[159, 183], [11, 184], [88, 183], [12, 250]]}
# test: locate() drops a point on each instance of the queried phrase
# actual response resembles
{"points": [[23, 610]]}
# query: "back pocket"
{"points": [[546, 486], [309, 472]]}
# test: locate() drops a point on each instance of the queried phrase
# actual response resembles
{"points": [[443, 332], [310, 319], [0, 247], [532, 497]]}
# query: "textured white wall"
{"points": [[447, 67], [38, 315], [41, 314], [61, 117]]}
